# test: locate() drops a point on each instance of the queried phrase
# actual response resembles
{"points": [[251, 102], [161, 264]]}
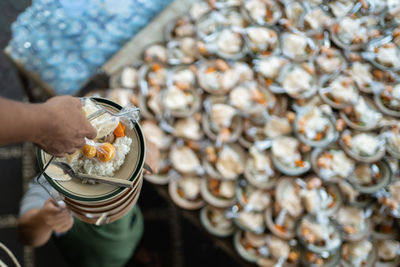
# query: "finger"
{"points": [[90, 131], [70, 150]]}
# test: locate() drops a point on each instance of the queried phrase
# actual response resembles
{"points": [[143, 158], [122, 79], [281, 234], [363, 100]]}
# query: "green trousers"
{"points": [[109, 245]]}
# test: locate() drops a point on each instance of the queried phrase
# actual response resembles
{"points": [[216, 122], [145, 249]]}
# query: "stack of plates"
{"points": [[102, 203]]}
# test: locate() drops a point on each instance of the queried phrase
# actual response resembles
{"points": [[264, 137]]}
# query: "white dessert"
{"points": [[278, 248], [294, 45], [229, 163], [129, 77], [262, 36], [312, 123], [388, 249], [365, 144], [361, 73], [258, 200], [177, 99], [270, 67], [358, 252], [285, 149], [251, 220], [293, 12], [190, 187], [291, 201], [335, 163], [198, 9], [351, 219], [185, 76], [340, 7], [241, 98], [328, 64], [227, 189], [229, 42], [297, 81], [184, 159], [222, 115], [157, 52], [366, 114], [389, 56], [351, 29], [188, 128], [342, 89], [277, 126], [317, 19]]}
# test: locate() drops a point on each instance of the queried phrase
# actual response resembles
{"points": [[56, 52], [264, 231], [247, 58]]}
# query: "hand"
{"points": [[65, 126], [152, 155], [59, 219]]}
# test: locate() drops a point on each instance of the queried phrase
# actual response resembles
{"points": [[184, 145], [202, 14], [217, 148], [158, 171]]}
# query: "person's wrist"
{"points": [[41, 121]]}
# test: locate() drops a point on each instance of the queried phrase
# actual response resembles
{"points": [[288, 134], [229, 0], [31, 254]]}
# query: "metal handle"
{"points": [[148, 168], [108, 180]]}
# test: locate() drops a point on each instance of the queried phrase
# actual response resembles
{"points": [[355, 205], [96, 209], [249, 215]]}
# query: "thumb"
{"points": [[90, 131]]}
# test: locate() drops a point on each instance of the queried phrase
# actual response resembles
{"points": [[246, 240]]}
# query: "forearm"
{"points": [[19, 122], [32, 230]]}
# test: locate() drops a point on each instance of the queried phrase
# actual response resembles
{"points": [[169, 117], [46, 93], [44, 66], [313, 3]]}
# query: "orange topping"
{"points": [[225, 134], [280, 228], [210, 70], [156, 67], [319, 136], [336, 28], [89, 151], [180, 192], [106, 152], [299, 163], [120, 130]]}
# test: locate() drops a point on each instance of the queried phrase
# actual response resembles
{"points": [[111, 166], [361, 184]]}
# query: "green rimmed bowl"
{"points": [[102, 193]]}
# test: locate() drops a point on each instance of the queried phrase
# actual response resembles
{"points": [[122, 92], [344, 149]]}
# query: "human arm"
{"points": [[35, 226], [57, 125]]}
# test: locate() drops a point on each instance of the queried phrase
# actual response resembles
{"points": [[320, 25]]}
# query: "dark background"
{"points": [[169, 239]]}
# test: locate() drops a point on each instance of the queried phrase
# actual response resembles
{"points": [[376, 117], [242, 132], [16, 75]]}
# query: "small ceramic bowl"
{"points": [[270, 15], [331, 84], [364, 107], [126, 77], [288, 81], [324, 164], [330, 259], [156, 52], [251, 198], [178, 28], [218, 227], [302, 165], [373, 53], [278, 230], [177, 192], [227, 43], [298, 47], [302, 127], [381, 177], [369, 262], [214, 132], [182, 51], [261, 178], [346, 141], [334, 236], [213, 195], [384, 100], [330, 61], [262, 41], [351, 232], [173, 95], [215, 165]]}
